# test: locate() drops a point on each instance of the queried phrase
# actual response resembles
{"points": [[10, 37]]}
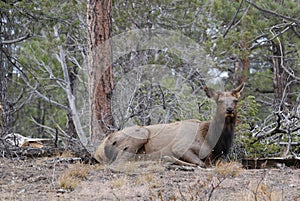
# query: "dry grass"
{"points": [[66, 154], [69, 178], [260, 191], [119, 182], [145, 179], [99, 167], [228, 169], [37, 179], [135, 167], [126, 167]]}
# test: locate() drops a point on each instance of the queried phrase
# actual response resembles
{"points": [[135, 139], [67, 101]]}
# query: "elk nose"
{"points": [[229, 110]]}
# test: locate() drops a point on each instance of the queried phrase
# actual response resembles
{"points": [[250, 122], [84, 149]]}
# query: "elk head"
{"points": [[226, 101]]}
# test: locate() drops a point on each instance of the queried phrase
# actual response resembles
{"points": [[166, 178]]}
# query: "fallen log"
{"points": [[274, 162], [9, 151]]}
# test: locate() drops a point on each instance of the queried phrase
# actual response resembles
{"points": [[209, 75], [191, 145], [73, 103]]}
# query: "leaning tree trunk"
{"points": [[279, 77], [100, 67], [73, 73]]}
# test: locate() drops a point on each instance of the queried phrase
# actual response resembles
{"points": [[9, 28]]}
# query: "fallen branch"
{"points": [[15, 152]]}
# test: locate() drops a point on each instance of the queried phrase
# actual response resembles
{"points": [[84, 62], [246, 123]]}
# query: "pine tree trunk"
{"points": [[100, 67], [241, 67], [6, 75]]}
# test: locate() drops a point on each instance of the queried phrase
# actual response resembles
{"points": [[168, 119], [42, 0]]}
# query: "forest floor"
{"points": [[56, 179]]}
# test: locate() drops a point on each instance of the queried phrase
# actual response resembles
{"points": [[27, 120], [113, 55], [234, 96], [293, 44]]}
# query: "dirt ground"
{"points": [[56, 179]]}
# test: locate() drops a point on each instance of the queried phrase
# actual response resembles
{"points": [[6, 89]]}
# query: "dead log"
{"points": [[15, 152], [274, 162]]}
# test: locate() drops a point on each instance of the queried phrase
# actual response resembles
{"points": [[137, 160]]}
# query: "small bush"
{"points": [[226, 169], [70, 178]]}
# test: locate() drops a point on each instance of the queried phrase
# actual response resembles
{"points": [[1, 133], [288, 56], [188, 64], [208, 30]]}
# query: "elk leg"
{"points": [[191, 157], [176, 161]]}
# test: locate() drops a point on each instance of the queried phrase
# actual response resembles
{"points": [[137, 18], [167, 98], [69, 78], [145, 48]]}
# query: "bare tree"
{"points": [[71, 99], [6, 71]]}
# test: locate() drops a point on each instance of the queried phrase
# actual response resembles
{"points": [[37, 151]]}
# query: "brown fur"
{"points": [[190, 141]]}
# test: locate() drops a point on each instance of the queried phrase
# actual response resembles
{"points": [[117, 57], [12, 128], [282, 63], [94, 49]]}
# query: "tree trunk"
{"points": [[100, 67], [6, 75], [73, 73], [241, 66], [279, 77]]}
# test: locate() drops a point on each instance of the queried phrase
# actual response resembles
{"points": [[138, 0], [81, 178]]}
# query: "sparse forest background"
{"points": [[44, 67]]}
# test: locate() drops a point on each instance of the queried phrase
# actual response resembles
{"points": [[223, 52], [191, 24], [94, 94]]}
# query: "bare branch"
{"points": [[289, 71], [274, 13], [231, 25], [44, 126], [8, 42], [295, 31], [286, 27], [45, 97]]}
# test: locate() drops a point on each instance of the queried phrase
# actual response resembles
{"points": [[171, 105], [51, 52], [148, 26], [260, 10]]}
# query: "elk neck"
{"points": [[220, 134]]}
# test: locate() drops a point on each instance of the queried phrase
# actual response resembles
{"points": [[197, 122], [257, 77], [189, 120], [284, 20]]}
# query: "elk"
{"points": [[188, 142]]}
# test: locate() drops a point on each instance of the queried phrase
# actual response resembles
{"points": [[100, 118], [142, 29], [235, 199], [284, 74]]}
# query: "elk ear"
{"points": [[211, 93], [237, 91]]}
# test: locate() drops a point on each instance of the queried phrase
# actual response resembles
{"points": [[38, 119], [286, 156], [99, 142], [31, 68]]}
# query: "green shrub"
{"points": [[246, 144]]}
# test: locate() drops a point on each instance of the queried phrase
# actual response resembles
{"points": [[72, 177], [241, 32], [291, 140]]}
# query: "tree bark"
{"points": [[100, 67], [6, 75], [279, 77], [241, 66]]}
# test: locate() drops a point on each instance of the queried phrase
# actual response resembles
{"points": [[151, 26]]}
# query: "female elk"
{"points": [[186, 142]]}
